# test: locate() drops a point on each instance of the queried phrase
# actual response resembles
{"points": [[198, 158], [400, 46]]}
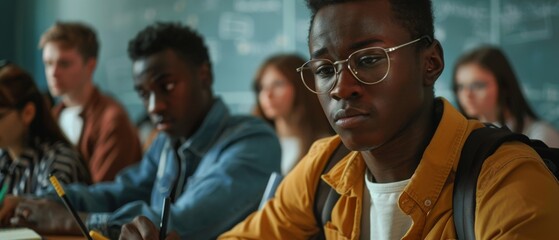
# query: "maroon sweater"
{"points": [[109, 141]]}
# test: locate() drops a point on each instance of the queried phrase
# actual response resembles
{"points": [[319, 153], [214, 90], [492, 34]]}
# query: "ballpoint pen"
{"points": [[62, 195], [164, 218]]}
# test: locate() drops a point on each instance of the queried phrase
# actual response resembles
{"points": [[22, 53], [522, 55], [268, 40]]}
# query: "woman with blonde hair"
{"points": [[285, 103], [32, 146]]}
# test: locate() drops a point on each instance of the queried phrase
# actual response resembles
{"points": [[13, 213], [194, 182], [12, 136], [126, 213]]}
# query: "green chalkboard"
{"points": [[242, 33]]}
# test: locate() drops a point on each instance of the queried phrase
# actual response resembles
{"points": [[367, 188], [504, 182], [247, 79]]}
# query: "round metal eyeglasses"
{"points": [[368, 65]]}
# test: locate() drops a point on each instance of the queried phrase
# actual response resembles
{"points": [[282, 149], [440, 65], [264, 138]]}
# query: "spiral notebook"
{"points": [[19, 234]]}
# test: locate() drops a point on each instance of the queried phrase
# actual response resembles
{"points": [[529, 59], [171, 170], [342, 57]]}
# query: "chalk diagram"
{"points": [[528, 21]]}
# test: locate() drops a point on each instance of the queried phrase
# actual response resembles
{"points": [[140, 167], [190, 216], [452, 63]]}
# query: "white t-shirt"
{"points": [[386, 220], [289, 154], [543, 131], [540, 130], [71, 123]]}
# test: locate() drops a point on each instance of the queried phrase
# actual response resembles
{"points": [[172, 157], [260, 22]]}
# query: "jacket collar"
{"points": [[438, 160], [209, 130], [94, 99]]}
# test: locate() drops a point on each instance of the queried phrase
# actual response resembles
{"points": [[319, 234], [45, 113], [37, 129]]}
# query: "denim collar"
{"points": [[209, 130]]}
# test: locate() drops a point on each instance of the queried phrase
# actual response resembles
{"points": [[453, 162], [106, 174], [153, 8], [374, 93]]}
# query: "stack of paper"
{"points": [[18, 234]]}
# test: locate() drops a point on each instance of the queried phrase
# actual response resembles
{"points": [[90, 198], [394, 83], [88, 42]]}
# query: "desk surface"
{"points": [[64, 237]]}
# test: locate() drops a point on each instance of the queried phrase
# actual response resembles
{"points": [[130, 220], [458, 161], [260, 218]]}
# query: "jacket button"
{"points": [[427, 203]]}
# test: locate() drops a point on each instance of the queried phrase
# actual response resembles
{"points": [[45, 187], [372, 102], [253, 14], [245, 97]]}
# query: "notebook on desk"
{"points": [[19, 234]]}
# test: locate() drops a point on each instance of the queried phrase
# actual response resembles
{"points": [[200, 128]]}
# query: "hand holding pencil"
{"points": [[45, 216], [42, 215], [7, 209], [90, 235]]}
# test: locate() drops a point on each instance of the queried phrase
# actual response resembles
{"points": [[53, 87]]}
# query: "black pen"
{"points": [[62, 194], [164, 218]]}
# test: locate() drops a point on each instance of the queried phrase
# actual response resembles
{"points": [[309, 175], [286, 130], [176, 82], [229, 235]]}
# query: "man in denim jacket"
{"points": [[214, 166]]}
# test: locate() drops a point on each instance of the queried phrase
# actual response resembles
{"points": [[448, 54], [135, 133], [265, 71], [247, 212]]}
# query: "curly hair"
{"points": [[73, 34], [415, 15], [157, 37]]}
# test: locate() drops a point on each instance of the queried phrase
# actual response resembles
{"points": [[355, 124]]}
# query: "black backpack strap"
{"points": [[550, 156], [481, 143], [325, 196]]}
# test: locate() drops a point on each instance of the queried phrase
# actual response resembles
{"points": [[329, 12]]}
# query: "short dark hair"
{"points": [[509, 93], [73, 34], [160, 36], [414, 15]]}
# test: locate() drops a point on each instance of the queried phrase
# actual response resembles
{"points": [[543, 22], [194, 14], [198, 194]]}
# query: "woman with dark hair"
{"points": [[487, 89], [283, 101], [32, 146]]}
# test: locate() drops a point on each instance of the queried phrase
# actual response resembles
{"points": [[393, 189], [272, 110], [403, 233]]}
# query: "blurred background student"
{"points": [[487, 88], [92, 121], [283, 101], [32, 146]]}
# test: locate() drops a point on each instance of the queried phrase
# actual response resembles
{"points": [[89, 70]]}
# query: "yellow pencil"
{"points": [[97, 236]]}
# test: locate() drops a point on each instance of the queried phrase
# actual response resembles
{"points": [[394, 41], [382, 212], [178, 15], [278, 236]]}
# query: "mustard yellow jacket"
{"points": [[517, 196]]}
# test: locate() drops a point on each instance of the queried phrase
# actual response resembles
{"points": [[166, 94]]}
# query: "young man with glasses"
{"points": [[397, 182]]}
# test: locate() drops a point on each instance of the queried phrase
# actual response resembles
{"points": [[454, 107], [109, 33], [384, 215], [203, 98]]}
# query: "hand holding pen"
{"points": [[164, 217], [141, 228]]}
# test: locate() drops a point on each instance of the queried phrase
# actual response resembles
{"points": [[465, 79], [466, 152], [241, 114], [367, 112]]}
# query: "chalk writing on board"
{"points": [[179, 6], [462, 10], [210, 5], [545, 99], [214, 47], [526, 23], [235, 26], [249, 47], [473, 18], [302, 30], [150, 14], [258, 6], [192, 21]]}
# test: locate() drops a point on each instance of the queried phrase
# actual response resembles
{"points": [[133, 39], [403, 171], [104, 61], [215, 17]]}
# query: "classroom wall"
{"points": [[7, 40], [241, 33]]}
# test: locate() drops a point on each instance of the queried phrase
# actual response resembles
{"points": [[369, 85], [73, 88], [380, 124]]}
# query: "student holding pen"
{"points": [[214, 166]]}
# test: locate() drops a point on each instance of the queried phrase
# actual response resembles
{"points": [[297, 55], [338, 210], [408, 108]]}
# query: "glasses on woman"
{"points": [[368, 65]]}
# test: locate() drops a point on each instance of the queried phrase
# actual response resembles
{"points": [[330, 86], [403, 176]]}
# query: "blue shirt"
{"points": [[234, 157]]}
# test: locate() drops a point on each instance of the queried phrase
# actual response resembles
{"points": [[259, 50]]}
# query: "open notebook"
{"points": [[19, 234]]}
